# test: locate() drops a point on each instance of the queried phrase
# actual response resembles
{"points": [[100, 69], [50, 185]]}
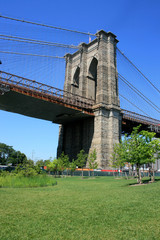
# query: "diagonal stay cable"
{"points": [[139, 93], [138, 70], [133, 104]]}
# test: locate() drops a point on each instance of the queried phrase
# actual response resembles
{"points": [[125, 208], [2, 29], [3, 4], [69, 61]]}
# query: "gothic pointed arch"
{"points": [[76, 77], [92, 71], [92, 78]]}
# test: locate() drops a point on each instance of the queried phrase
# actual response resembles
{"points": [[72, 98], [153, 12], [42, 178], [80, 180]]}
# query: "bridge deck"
{"points": [[34, 99], [132, 119], [38, 100]]}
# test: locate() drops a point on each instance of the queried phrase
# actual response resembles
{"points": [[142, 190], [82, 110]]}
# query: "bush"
{"points": [[26, 170]]}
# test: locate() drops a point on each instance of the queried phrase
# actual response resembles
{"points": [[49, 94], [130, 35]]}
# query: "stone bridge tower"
{"points": [[92, 72]]}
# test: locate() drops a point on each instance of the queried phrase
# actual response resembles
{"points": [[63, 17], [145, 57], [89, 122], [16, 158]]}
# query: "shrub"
{"points": [[26, 170]]}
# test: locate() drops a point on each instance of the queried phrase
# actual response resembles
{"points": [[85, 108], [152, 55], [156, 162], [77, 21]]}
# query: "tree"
{"points": [[72, 166], [47, 161], [9, 155], [63, 161], [40, 163], [92, 160], [142, 148], [6, 153], [81, 159], [57, 165], [19, 158], [138, 149], [60, 165], [120, 154], [52, 166]]}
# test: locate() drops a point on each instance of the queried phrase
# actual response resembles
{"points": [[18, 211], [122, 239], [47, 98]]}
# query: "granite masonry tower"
{"points": [[92, 72]]}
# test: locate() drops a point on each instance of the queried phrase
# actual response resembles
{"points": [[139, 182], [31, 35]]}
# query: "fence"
{"points": [[99, 173]]}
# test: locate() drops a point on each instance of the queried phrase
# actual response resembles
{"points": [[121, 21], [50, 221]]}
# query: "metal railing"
{"points": [[46, 91], [139, 118], [8, 80]]}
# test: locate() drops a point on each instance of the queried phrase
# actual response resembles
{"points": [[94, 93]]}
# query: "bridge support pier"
{"points": [[107, 129], [75, 136], [91, 72], [100, 132]]}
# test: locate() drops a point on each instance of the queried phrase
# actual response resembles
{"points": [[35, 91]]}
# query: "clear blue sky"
{"points": [[137, 26]]}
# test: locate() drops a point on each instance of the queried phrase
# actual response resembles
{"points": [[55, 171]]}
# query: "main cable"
{"points": [[48, 26]]}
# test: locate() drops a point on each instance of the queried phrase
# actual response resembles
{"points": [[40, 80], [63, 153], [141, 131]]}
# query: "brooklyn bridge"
{"points": [[87, 105]]}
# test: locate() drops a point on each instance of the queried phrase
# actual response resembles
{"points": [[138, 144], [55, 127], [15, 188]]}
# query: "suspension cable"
{"points": [[48, 26], [138, 70], [133, 104], [34, 41], [139, 93], [29, 54]]}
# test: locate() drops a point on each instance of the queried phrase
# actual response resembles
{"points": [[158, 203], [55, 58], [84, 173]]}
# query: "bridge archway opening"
{"points": [[92, 79], [76, 77]]}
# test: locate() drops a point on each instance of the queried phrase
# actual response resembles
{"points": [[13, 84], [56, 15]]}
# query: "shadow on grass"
{"points": [[144, 182], [157, 179]]}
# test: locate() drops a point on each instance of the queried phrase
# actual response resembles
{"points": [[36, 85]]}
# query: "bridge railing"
{"points": [[12, 80], [139, 118]]}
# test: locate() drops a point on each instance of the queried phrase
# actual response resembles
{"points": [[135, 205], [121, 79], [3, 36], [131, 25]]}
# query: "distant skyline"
{"points": [[136, 24]]}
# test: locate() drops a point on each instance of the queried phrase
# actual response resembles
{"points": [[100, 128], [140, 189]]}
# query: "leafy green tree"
{"points": [[18, 158], [9, 155], [52, 166], [142, 147], [81, 159], [72, 166], [92, 160], [60, 165], [120, 154], [47, 161], [138, 149], [55, 166], [6, 153], [63, 162], [40, 163]]}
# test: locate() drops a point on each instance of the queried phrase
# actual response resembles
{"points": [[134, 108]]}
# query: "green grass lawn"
{"points": [[83, 209]]}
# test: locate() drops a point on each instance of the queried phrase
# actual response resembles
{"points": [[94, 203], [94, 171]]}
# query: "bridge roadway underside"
{"points": [[34, 107], [30, 106], [129, 124]]}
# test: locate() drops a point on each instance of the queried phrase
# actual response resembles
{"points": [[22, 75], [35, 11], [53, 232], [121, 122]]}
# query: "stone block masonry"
{"points": [[92, 72]]}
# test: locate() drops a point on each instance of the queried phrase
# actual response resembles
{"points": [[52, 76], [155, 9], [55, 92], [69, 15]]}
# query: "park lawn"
{"points": [[83, 209]]}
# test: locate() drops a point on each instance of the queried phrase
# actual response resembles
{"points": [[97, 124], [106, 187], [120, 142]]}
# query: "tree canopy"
{"points": [[137, 149], [10, 156], [81, 159], [59, 164], [92, 160]]}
